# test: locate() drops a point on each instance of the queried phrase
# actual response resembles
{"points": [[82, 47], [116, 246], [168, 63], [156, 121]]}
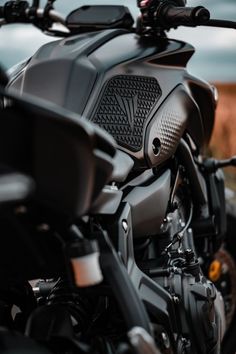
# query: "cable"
{"points": [[221, 23], [179, 235]]}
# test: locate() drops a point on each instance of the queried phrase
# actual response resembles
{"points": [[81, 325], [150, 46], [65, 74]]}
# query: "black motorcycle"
{"points": [[112, 219]]}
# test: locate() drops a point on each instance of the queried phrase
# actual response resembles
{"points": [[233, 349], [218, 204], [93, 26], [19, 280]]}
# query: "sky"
{"points": [[214, 60]]}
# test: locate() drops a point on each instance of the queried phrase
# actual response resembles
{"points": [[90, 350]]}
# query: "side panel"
{"points": [[175, 116], [149, 204], [204, 95], [123, 83]]}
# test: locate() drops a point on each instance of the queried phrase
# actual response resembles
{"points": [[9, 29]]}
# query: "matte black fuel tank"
{"points": [[136, 89]]}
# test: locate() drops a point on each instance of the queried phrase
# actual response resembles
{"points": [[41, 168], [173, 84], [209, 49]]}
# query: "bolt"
{"points": [[224, 268], [36, 290], [169, 218], [165, 339], [223, 284], [176, 299], [125, 225]]}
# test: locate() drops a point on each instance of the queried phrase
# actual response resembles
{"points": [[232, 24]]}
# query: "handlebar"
{"points": [[173, 16], [21, 12], [169, 14], [52, 14], [157, 15]]}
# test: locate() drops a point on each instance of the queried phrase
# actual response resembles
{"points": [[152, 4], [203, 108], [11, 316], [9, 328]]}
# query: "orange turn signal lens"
{"points": [[215, 270]]}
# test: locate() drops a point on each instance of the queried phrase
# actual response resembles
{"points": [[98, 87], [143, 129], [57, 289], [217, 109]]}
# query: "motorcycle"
{"points": [[113, 219]]}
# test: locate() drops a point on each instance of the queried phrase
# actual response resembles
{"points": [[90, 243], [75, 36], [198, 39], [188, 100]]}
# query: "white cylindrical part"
{"points": [[87, 270]]}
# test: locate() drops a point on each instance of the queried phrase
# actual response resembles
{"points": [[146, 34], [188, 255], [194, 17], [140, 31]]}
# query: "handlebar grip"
{"points": [[172, 16], [14, 11]]}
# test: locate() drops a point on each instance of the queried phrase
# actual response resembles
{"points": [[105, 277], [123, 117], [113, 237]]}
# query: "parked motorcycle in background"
{"points": [[106, 194]]}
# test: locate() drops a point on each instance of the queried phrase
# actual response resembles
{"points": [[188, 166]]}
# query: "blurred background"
{"points": [[214, 61]]}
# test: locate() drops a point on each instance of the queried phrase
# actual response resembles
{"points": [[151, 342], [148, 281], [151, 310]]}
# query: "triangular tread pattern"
{"points": [[125, 106]]}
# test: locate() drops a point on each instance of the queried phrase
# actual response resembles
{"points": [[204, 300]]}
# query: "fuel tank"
{"points": [[137, 89]]}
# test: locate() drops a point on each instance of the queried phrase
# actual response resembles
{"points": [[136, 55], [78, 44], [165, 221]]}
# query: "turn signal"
{"points": [[215, 270]]}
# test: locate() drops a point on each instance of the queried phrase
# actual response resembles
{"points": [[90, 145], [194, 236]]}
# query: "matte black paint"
{"points": [[157, 300], [149, 204], [73, 73]]}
